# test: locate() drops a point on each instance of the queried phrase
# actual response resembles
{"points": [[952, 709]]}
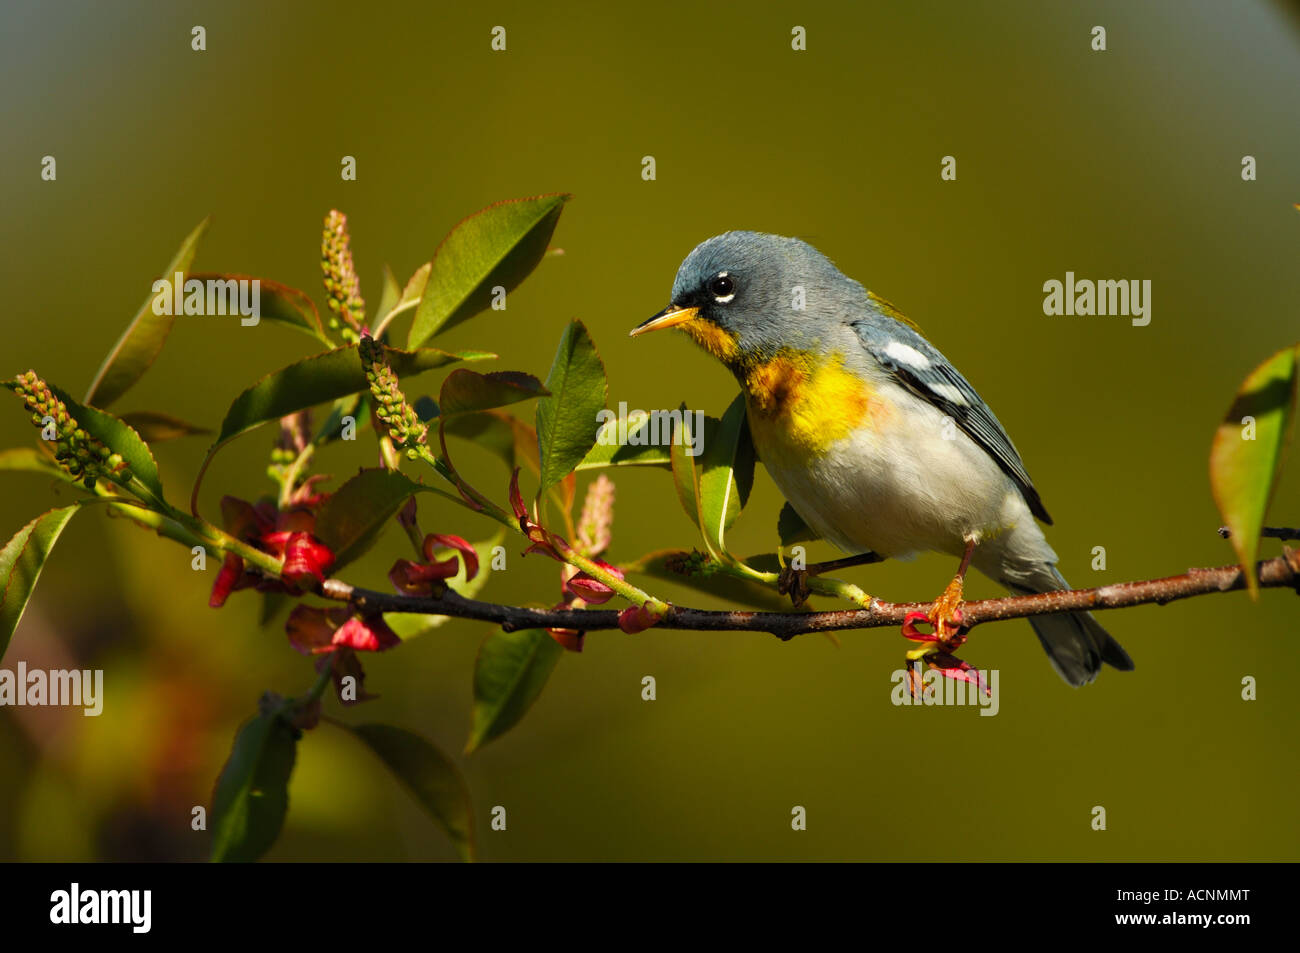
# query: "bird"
{"points": [[873, 437]]}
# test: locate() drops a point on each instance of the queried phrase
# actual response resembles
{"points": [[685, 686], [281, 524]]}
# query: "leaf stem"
{"points": [[570, 555], [631, 593], [204, 533], [322, 680], [819, 585]]}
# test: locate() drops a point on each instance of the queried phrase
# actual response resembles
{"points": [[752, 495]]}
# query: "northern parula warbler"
{"points": [[873, 437]]}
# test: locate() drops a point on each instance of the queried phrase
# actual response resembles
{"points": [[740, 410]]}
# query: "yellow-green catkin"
{"points": [[342, 287], [404, 426], [83, 456]]}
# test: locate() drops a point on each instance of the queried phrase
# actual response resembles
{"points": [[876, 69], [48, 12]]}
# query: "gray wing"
{"points": [[936, 381]]}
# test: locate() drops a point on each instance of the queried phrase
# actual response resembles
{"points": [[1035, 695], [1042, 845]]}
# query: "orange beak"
{"points": [[669, 317]]}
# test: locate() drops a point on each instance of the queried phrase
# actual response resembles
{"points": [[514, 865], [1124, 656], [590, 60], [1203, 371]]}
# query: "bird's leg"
{"points": [[794, 582], [945, 614], [936, 648]]}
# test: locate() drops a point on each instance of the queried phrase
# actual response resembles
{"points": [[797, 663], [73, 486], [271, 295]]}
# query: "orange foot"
{"points": [[945, 614], [936, 648]]}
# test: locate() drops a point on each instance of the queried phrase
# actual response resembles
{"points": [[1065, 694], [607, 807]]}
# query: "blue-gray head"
{"points": [[745, 295]]}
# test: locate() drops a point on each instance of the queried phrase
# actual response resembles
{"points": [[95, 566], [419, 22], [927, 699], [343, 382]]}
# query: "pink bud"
{"points": [[589, 590], [636, 619]]}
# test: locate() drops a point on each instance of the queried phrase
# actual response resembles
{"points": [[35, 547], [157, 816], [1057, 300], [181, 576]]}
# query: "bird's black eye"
{"points": [[721, 286]]}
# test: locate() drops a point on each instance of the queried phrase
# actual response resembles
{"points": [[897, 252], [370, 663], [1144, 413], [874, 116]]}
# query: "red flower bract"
{"points": [[636, 619], [245, 521], [228, 580], [589, 590], [570, 639], [539, 540], [285, 534], [517, 500], [949, 666], [938, 657], [315, 631], [366, 635], [910, 631], [306, 559], [348, 676], [546, 549], [419, 579], [436, 541], [311, 630]]}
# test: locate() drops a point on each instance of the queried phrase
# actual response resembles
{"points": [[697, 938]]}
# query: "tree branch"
{"points": [[1280, 572]]}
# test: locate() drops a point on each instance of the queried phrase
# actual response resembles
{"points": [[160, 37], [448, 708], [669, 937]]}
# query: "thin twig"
{"points": [[1280, 572], [1269, 532]]}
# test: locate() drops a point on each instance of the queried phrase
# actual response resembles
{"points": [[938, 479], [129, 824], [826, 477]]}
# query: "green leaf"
{"points": [[408, 625], [466, 392], [153, 426], [279, 303], [686, 475], [21, 562], [425, 407], [506, 436], [252, 794], [720, 585], [118, 436], [31, 460], [514, 442], [350, 521], [791, 528], [273, 604], [429, 775], [392, 294], [143, 339], [326, 376], [499, 245], [407, 300], [356, 406], [726, 473], [567, 419], [511, 671], [314, 380], [644, 443], [1246, 456]]}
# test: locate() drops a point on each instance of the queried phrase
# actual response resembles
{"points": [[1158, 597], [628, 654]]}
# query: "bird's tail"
{"points": [[1075, 642]]}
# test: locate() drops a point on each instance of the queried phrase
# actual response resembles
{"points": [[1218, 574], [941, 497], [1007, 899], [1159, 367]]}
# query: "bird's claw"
{"points": [[945, 614], [936, 648]]}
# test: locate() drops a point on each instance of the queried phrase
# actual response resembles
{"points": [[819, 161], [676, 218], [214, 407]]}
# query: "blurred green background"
{"points": [[1122, 164]]}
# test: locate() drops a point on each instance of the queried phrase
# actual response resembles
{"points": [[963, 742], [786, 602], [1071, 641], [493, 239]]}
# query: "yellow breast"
{"points": [[712, 338], [800, 404]]}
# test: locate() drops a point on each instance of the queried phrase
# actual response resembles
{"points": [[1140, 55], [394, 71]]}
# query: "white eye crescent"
{"points": [[722, 287]]}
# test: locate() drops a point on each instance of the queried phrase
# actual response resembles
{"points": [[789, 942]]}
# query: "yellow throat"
{"points": [[801, 403]]}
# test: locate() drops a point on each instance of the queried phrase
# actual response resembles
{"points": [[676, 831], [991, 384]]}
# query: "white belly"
{"points": [[896, 490]]}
